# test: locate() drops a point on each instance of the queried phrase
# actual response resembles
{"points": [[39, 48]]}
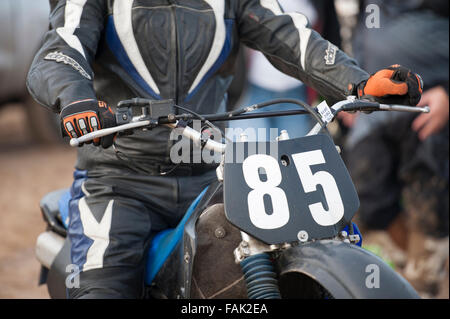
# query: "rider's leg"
{"points": [[111, 219], [108, 233]]}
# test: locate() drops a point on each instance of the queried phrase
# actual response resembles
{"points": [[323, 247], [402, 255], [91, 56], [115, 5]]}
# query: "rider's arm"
{"points": [[297, 50], [64, 61]]}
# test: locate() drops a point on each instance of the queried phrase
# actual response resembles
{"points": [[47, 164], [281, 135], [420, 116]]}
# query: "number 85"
{"points": [[280, 215]]}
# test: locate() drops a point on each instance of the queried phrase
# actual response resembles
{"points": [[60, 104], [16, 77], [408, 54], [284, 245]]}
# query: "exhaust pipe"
{"points": [[48, 245]]}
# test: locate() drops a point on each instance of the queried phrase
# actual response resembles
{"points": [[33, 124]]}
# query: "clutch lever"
{"points": [[107, 131]]}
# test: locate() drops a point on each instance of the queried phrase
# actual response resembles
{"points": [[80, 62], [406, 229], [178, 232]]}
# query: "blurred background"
{"points": [[33, 160], [408, 231]]}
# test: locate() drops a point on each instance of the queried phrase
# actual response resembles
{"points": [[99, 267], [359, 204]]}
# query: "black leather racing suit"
{"points": [[178, 49], [159, 49]]}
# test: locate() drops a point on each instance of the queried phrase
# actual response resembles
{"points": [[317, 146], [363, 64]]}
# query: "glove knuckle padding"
{"points": [[395, 84], [385, 86], [94, 115]]}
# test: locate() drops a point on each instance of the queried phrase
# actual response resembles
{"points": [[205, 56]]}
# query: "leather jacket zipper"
{"points": [[174, 40], [174, 44]]}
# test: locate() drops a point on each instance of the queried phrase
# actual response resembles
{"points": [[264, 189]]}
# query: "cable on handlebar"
{"points": [[306, 106], [250, 116], [202, 118], [235, 115]]}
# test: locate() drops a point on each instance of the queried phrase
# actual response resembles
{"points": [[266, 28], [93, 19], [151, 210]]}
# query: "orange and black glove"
{"points": [[393, 85], [82, 117]]}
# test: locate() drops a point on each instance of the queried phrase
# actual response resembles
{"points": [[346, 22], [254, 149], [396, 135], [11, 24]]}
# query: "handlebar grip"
{"points": [[404, 108], [370, 106]]}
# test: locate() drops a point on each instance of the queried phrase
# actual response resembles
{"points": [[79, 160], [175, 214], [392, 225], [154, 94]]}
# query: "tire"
{"points": [[300, 286]]}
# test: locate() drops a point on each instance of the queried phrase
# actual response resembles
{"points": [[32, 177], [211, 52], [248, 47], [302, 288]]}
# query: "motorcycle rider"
{"points": [[164, 49]]}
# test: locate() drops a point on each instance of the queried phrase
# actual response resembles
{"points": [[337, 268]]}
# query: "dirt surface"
{"points": [[27, 173]]}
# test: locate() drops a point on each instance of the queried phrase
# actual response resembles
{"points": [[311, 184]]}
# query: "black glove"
{"points": [[82, 117], [393, 85]]}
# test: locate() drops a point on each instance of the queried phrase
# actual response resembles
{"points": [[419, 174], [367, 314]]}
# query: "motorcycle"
{"points": [[274, 224]]}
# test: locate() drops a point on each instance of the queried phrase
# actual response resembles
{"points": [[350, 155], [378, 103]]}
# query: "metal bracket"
{"points": [[346, 238], [150, 110], [220, 169], [250, 246]]}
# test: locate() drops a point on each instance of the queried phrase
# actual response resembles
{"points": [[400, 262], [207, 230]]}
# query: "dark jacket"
{"points": [[412, 33], [328, 24], [179, 49]]}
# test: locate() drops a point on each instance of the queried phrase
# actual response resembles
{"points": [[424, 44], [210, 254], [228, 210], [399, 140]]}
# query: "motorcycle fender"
{"points": [[345, 270]]}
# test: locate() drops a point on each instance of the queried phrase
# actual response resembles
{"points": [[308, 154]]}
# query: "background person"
{"points": [[399, 161]]}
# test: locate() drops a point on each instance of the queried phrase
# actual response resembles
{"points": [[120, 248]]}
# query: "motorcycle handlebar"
{"points": [[349, 105]]}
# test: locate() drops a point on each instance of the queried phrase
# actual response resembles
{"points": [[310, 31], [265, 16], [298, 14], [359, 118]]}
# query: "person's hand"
{"points": [[348, 119], [428, 124], [82, 117], [393, 85]]}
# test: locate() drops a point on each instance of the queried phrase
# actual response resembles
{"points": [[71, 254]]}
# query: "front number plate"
{"points": [[278, 191]]}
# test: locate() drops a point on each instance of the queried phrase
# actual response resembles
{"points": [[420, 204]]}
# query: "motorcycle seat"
{"points": [[51, 206]]}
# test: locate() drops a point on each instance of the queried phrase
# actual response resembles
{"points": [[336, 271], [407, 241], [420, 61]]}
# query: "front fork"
{"points": [[256, 261], [259, 272]]}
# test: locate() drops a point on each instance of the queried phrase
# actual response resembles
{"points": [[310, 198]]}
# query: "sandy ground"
{"points": [[27, 173]]}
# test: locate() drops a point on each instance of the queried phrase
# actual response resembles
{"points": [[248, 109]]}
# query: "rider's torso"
{"points": [[163, 49], [171, 48]]}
